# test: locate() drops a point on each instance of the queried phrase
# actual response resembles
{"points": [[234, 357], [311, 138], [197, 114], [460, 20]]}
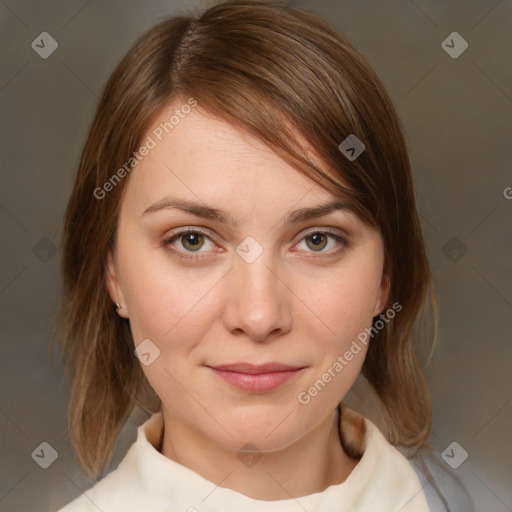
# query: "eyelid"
{"points": [[314, 229], [333, 231], [183, 231]]}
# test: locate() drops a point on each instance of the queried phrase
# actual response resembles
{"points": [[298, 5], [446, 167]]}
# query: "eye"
{"points": [[191, 241], [316, 241]]}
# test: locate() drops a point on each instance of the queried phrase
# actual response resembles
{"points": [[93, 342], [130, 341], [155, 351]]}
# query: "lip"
{"points": [[250, 377], [243, 367]]}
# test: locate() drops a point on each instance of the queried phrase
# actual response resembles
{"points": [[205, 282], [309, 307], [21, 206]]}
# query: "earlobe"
{"points": [[113, 287]]}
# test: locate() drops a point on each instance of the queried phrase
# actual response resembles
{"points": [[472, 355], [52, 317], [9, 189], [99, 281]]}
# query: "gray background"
{"points": [[457, 114]]}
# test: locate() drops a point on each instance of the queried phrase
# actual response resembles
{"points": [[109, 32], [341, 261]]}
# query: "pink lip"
{"points": [[251, 377]]}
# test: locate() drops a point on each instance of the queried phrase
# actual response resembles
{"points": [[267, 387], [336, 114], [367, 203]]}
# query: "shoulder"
{"points": [[450, 495], [119, 483], [122, 489], [383, 477]]}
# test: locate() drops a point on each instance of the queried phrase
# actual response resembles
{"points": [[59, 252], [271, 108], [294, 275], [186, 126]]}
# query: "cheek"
{"points": [[342, 308], [166, 302], [342, 305], [174, 309]]}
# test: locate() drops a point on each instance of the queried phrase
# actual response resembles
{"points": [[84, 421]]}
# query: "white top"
{"points": [[146, 481]]}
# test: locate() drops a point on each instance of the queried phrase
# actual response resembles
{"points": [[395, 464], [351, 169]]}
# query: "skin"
{"points": [[285, 306]]}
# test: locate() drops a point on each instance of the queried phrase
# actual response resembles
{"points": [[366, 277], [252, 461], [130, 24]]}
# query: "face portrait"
{"points": [[217, 262], [255, 256]]}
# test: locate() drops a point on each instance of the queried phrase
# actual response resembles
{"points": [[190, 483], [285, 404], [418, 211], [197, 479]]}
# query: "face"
{"points": [[241, 277]]}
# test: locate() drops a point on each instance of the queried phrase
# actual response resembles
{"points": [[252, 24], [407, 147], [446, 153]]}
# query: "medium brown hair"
{"points": [[269, 69]]}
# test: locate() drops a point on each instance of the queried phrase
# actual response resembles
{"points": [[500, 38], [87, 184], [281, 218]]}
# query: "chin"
{"points": [[258, 442], [267, 430]]}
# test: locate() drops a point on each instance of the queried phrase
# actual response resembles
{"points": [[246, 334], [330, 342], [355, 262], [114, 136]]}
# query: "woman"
{"points": [[241, 243]]}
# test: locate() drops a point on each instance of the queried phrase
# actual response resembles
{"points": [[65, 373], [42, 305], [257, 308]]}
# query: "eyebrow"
{"points": [[208, 212]]}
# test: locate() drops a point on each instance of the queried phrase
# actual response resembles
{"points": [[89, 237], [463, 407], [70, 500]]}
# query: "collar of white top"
{"points": [[383, 479]]}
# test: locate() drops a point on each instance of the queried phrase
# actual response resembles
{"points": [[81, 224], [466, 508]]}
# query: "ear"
{"points": [[382, 296], [114, 288]]}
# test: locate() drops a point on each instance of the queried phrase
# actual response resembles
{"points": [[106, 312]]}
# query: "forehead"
{"points": [[199, 156]]}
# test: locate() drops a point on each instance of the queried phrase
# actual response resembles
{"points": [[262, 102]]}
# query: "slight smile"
{"points": [[255, 378]]}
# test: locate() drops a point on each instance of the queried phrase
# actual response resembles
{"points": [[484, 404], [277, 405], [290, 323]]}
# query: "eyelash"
{"points": [[179, 253]]}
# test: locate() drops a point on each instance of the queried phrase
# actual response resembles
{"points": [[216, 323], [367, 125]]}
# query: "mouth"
{"points": [[256, 378]]}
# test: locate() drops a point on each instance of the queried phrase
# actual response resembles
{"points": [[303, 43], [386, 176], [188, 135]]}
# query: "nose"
{"points": [[258, 299]]}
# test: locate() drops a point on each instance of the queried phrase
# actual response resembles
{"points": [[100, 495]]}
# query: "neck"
{"points": [[274, 476]]}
